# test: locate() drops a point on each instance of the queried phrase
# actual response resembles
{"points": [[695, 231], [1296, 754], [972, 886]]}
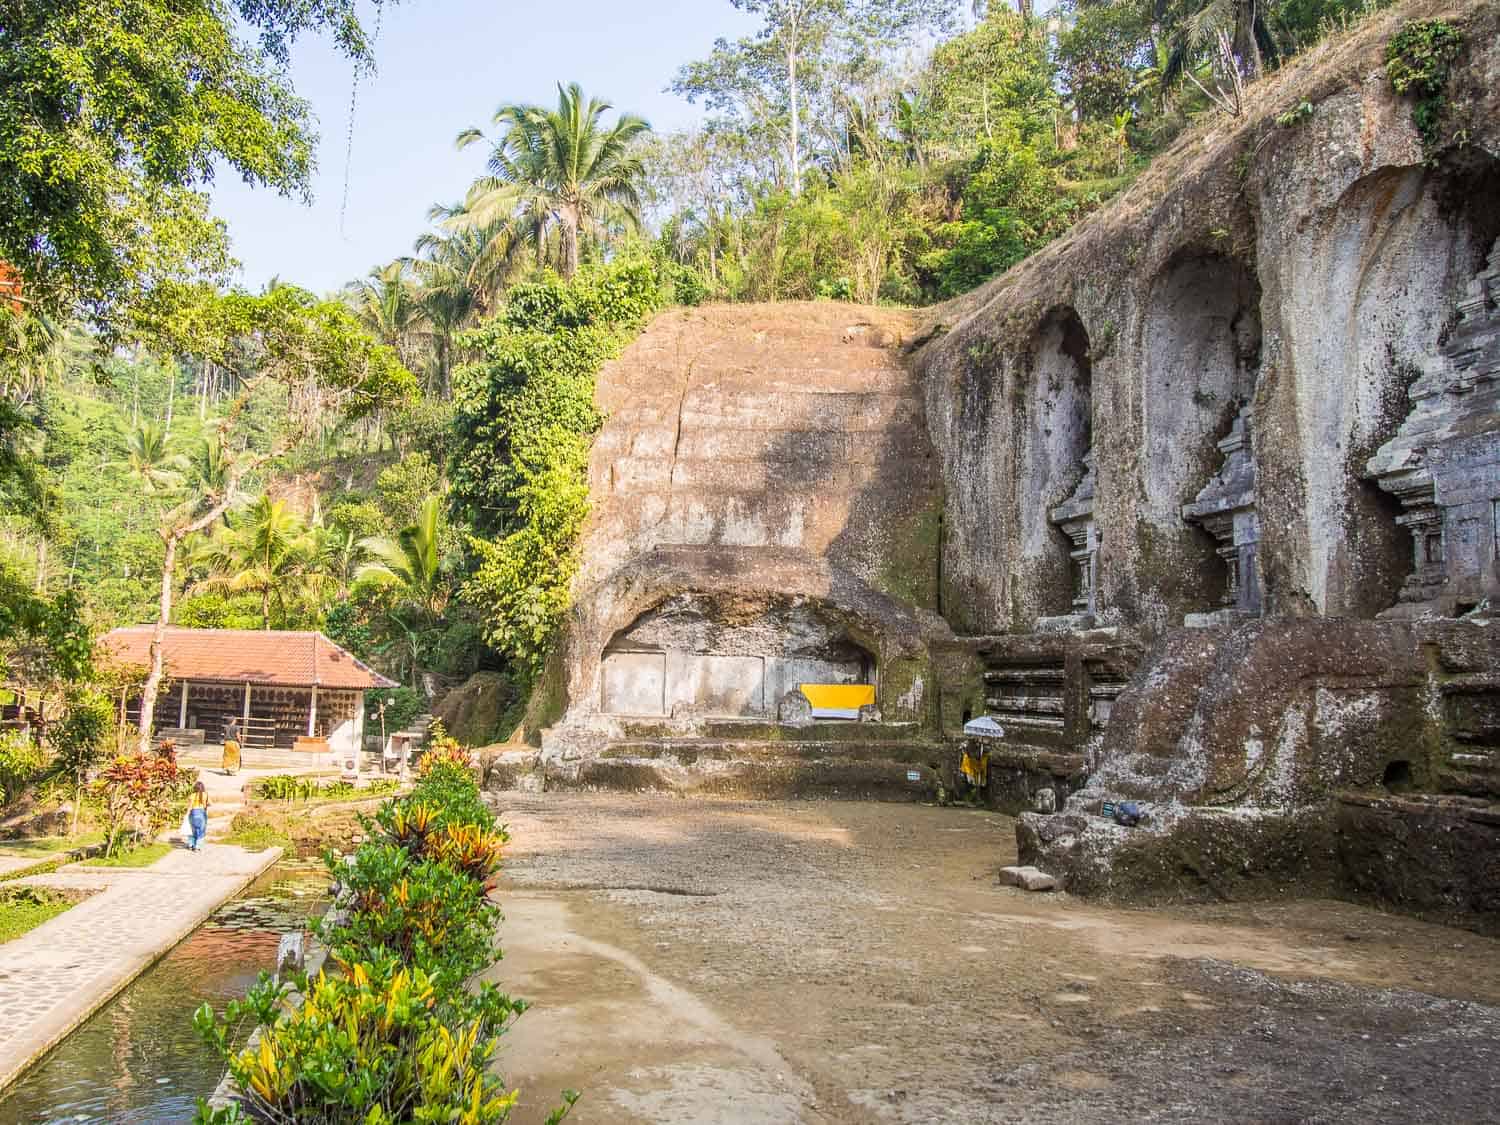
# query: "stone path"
{"points": [[9, 863], [56, 976]]}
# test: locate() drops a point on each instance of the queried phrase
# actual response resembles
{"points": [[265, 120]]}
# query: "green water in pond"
{"points": [[137, 1059]]}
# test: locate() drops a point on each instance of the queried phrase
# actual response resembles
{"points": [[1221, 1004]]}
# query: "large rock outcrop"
{"points": [[1245, 424], [766, 513], [1201, 503]]}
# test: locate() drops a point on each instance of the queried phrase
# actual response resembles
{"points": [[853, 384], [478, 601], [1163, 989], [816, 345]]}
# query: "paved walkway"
{"points": [[56, 976], [9, 862]]}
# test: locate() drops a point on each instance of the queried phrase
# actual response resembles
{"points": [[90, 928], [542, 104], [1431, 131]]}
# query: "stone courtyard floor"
{"points": [[828, 962], [55, 976]]}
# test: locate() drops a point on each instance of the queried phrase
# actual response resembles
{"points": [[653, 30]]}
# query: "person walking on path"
{"points": [[198, 816], [230, 762]]}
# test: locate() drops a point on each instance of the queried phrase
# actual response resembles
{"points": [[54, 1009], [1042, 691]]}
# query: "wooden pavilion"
{"points": [[281, 686]]}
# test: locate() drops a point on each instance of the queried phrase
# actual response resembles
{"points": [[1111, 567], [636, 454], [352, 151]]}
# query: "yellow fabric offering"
{"points": [[838, 697]]}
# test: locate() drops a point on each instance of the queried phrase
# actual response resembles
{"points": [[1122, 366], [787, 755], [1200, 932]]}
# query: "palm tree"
{"points": [[215, 465], [150, 460], [455, 291], [337, 554], [411, 561], [561, 168], [1193, 25], [265, 551], [389, 304]]}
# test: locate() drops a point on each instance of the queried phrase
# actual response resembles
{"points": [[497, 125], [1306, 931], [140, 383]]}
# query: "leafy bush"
{"points": [[373, 1045], [144, 791], [402, 705], [1418, 60], [20, 761], [423, 913], [285, 787], [399, 1033]]}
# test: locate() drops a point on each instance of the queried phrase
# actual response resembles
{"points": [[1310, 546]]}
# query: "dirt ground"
{"points": [[828, 962]]}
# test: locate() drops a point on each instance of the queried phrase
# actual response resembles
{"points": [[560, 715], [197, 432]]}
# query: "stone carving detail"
{"points": [[1074, 517], [1444, 462], [1226, 510]]}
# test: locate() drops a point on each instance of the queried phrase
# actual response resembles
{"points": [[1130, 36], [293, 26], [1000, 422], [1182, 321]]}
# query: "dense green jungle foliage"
{"points": [[402, 464]]}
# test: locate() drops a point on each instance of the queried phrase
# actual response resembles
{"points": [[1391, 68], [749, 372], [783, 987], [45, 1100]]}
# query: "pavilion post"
{"points": [[182, 708], [245, 715], [312, 714]]}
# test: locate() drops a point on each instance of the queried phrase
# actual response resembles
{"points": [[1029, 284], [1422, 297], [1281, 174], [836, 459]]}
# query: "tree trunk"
{"points": [[173, 538], [158, 635], [570, 243], [795, 146]]}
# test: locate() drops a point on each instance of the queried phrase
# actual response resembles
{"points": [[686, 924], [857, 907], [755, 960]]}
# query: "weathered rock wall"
{"points": [[1305, 273], [1257, 396], [765, 511]]}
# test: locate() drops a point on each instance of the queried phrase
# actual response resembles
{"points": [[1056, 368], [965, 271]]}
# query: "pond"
{"points": [[137, 1059]]}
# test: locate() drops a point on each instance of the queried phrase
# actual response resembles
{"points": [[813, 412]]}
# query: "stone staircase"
{"points": [[741, 758], [1471, 704]]}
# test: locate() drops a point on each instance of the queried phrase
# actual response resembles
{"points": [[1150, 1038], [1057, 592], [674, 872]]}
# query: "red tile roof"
{"points": [[281, 659]]}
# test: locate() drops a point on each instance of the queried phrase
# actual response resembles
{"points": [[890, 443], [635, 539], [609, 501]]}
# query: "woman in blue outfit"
{"points": [[198, 816]]}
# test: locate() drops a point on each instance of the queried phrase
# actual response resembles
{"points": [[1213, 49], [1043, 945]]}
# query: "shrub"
{"points": [[402, 705], [373, 1045], [398, 1033], [140, 790], [20, 761], [1418, 60], [285, 787]]}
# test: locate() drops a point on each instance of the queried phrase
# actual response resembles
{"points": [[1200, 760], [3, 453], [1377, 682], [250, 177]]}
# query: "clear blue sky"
{"points": [[445, 65]]}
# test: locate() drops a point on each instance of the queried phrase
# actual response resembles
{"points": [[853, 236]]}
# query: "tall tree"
{"points": [[411, 561], [563, 166], [265, 550], [765, 82], [151, 462], [113, 117]]}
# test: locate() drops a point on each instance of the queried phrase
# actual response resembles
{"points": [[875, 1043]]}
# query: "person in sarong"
{"points": [[231, 760]]}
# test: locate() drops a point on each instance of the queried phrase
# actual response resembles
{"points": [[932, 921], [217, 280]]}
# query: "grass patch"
{"points": [[49, 845], [143, 856], [257, 835], [25, 908]]}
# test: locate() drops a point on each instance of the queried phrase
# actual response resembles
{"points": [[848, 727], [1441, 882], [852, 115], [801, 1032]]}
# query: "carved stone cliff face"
{"points": [[765, 512], [1292, 283]]}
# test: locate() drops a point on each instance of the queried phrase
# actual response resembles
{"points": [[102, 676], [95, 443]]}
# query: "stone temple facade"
{"points": [[1201, 503]]}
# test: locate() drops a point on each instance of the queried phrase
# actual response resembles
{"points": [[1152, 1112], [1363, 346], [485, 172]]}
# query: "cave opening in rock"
{"points": [[1397, 777], [700, 656]]}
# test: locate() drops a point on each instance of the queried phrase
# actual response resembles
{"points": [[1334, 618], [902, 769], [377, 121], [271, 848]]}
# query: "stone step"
{"points": [[1472, 772], [768, 778], [764, 730], [689, 751]]}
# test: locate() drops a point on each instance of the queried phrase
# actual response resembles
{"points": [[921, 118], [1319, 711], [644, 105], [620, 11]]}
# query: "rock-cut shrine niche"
{"points": [[1201, 351], [1444, 462], [700, 656], [1055, 428]]}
